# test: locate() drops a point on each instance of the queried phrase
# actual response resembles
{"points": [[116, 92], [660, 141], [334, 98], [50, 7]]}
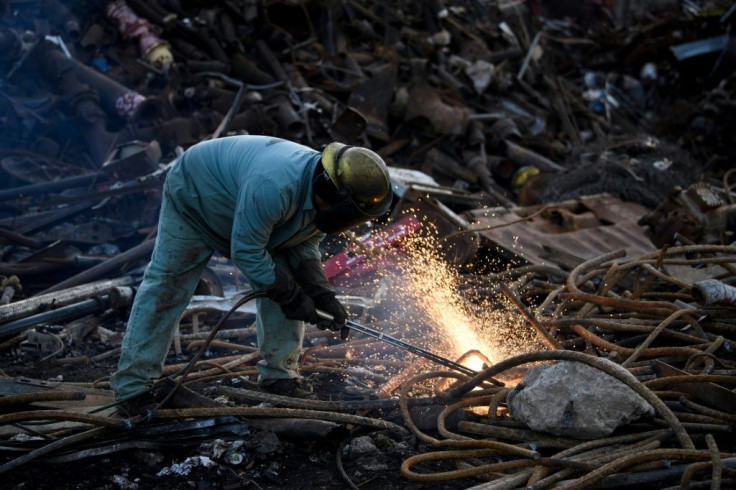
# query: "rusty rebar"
{"points": [[551, 342], [596, 475], [604, 365], [41, 396], [406, 466], [271, 412], [11, 418], [53, 446]]}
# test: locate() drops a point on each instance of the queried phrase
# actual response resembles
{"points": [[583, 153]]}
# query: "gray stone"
{"points": [[123, 483], [373, 464], [362, 446], [575, 400], [266, 442]]}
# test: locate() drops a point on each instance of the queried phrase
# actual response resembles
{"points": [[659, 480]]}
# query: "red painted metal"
{"points": [[357, 263]]}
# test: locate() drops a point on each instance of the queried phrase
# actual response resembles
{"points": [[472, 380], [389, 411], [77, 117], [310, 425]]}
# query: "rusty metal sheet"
{"points": [[711, 393], [579, 229]]}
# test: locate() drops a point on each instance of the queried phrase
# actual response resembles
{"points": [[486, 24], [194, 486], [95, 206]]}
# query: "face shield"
{"points": [[355, 188], [340, 216]]}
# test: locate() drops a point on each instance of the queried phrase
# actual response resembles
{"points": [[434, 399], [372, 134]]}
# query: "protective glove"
{"points": [[311, 277], [330, 304], [292, 299]]}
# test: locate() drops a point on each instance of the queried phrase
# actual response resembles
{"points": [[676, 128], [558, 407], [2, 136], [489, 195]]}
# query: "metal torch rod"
{"points": [[402, 345]]}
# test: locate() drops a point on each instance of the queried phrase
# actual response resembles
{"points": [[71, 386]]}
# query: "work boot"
{"points": [[293, 387], [140, 405], [183, 397]]}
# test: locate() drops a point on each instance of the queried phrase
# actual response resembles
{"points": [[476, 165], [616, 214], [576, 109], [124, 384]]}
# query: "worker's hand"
{"points": [[329, 304], [292, 299], [311, 276]]}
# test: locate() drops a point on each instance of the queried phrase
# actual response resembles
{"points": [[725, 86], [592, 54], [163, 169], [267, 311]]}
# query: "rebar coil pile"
{"points": [[627, 318]]}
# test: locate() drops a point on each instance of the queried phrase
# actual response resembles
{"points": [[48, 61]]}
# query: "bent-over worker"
{"points": [[266, 203]]}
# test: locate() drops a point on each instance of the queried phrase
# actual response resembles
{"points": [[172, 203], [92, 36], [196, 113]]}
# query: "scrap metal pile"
{"points": [[570, 162]]}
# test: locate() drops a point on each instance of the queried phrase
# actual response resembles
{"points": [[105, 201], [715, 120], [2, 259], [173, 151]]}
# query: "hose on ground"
{"points": [[190, 365], [343, 474]]}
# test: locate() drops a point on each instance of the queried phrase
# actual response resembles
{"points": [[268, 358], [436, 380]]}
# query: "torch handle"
{"points": [[402, 345]]}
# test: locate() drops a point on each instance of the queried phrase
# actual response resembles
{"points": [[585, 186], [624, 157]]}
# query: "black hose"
{"points": [[341, 468], [184, 372], [190, 365]]}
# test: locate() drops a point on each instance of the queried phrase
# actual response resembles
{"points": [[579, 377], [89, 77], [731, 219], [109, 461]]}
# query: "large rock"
{"points": [[575, 400]]}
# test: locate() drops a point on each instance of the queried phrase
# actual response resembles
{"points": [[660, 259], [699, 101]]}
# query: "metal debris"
{"points": [[569, 161]]}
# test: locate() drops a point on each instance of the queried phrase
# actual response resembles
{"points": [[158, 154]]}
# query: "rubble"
{"points": [[186, 466], [563, 173]]}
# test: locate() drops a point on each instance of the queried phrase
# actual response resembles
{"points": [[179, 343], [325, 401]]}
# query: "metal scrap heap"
{"points": [[563, 230]]}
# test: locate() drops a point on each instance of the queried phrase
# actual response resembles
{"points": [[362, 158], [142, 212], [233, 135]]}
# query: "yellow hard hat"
{"points": [[522, 175], [361, 174]]}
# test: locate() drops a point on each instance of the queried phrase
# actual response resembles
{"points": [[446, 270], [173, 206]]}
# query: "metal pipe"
{"points": [[57, 444], [32, 221], [272, 412], [66, 415], [524, 156], [43, 188], [62, 314], [714, 292], [60, 15], [224, 125], [19, 239], [114, 98], [137, 252], [9, 286], [288, 119], [60, 73], [154, 50], [38, 304]]}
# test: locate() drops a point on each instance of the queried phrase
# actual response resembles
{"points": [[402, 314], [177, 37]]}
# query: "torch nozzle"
{"points": [[405, 346]]}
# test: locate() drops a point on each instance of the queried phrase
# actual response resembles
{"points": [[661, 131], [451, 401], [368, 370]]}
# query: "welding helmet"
{"points": [[355, 185]]}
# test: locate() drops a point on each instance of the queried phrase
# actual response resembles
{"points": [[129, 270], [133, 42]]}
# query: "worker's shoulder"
{"points": [[265, 141], [251, 147]]}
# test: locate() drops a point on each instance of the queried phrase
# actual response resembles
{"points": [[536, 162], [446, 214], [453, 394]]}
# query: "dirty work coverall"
{"points": [[249, 198]]}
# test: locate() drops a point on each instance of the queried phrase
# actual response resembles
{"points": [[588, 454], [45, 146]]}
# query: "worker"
{"points": [[266, 203]]}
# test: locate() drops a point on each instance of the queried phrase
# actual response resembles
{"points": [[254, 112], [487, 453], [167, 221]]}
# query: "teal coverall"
{"points": [[250, 199]]}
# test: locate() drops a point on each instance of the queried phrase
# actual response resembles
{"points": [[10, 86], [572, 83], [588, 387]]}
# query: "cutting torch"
{"points": [[401, 344]]}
